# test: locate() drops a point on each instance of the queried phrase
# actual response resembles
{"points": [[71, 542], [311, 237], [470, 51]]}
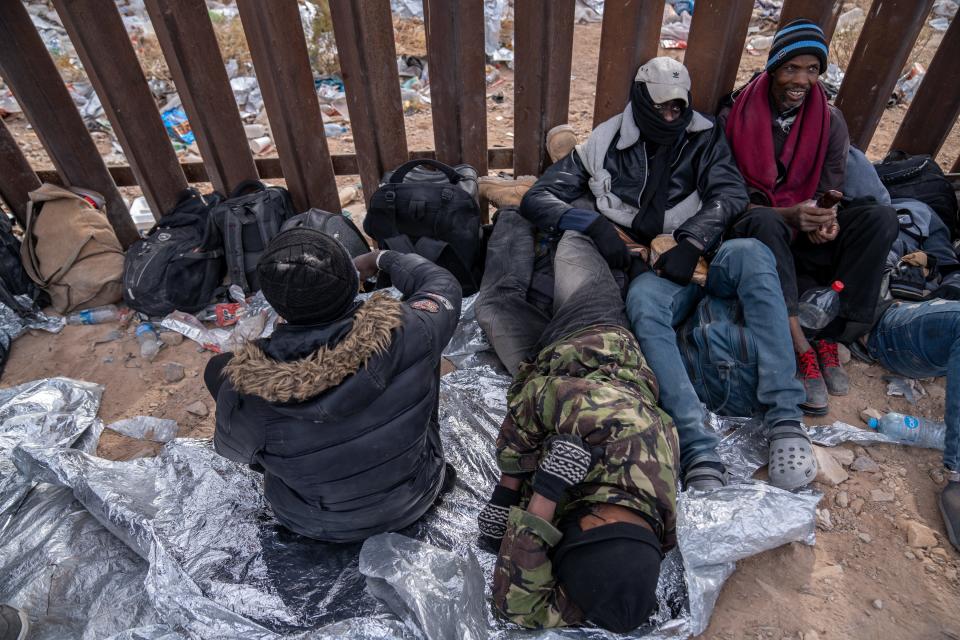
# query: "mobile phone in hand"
{"points": [[829, 199]]}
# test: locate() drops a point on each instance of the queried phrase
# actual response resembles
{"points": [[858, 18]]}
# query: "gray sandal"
{"points": [[702, 477], [792, 463]]}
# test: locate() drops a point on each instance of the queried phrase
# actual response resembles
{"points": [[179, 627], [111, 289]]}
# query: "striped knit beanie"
{"points": [[801, 36]]}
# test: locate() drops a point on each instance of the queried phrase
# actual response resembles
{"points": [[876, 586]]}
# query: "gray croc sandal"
{"points": [[792, 463]]}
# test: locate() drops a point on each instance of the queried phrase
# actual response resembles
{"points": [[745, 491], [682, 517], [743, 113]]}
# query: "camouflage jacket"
{"points": [[594, 384]]}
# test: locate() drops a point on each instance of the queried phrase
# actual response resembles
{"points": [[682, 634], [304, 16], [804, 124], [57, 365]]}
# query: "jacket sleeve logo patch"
{"points": [[446, 303], [426, 305]]}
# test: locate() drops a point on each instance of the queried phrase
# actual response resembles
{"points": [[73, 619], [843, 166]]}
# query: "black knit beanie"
{"points": [[307, 276], [799, 37]]}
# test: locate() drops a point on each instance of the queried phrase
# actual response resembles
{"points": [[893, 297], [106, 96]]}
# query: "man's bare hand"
{"points": [[807, 216], [366, 264], [825, 234]]}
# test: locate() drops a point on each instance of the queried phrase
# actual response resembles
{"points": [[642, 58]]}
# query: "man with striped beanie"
{"points": [[791, 147]]}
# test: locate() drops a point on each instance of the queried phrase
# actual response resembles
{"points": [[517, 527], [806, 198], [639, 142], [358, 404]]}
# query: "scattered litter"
{"points": [[146, 428], [939, 24], [907, 388], [250, 319], [141, 214], [178, 126], [758, 44], [907, 85], [832, 80], [850, 19], [587, 11], [678, 30]]}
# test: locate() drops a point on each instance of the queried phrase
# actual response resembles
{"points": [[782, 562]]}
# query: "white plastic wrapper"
{"points": [[830, 435], [184, 545], [146, 428]]}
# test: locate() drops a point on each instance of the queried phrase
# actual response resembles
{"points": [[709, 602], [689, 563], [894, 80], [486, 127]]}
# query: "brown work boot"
{"points": [[560, 141], [504, 191], [808, 371]]}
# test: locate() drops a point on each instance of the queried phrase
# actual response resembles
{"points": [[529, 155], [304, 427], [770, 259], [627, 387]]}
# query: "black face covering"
{"points": [[653, 128], [662, 139], [611, 573]]}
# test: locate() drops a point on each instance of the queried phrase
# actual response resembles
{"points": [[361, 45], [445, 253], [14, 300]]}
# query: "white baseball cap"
{"points": [[666, 79]]}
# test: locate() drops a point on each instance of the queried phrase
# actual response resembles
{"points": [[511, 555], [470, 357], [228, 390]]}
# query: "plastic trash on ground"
{"points": [[146, 428], [177, 125], [907, 388], [840, 432], [908, 84]]}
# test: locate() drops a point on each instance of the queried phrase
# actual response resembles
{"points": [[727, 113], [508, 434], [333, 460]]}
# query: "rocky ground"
{"points": [[881, 567]]}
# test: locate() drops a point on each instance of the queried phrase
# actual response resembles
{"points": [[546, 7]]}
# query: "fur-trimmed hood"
{"points": [[252, 372]]}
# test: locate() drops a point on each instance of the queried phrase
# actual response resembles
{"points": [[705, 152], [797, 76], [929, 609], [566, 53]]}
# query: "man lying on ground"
{"points": [[791, 147], [658, 168], [585, 506], [339, 406]]}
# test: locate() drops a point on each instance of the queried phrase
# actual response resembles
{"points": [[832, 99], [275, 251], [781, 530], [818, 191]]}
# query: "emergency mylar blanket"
{"points": [[184, 545]]}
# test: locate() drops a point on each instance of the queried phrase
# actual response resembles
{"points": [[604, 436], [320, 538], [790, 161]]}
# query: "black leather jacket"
{"points": [[703, 163]]}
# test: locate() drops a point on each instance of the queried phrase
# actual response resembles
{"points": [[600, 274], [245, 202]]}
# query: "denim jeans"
{"points": [[584, 292], [744, 269], [920, 340]]}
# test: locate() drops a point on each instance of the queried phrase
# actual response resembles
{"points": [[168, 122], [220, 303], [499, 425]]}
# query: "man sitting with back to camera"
{"points": [[586, 502], [338, 407]]}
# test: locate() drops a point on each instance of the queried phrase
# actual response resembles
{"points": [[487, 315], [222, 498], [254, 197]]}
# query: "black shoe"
{"points": [[14, 624], [705, 476], [950, 510]]}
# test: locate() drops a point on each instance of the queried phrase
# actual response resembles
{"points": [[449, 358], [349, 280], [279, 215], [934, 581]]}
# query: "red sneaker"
{"points": [[808, 371], [835, 378]]}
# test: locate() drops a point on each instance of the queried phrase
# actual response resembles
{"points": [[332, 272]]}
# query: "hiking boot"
{"points": [[14, 623], [834, 377], [950, 509], [705, 476], [504, 191], [808, 370], [560, 141]]}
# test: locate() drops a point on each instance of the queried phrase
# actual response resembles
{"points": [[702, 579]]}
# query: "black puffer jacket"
{"points": [[343, 417], [703, 165]]}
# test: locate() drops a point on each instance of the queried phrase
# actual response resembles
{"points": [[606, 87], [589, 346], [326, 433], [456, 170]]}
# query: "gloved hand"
{"points": [[609, 243], [566, 463], [492, 519], [679, 263], [947, 292]]}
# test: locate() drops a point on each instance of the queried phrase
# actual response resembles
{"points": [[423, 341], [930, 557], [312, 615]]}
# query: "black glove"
{"points": [[566, 463], [492, 519], [679, 263], [947, 292], [609, 243], [638, 266]]}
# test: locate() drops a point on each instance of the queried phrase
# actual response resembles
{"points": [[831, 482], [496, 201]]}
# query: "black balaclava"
{"points": [[611, 573], [307, 276], [662, 138]]}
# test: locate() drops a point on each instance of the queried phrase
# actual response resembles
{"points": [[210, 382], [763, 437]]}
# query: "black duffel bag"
{"points": [[920, 178], [431, 213], [179, 264]]}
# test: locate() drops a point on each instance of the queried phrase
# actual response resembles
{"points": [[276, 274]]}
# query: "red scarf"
{"points": [[750, 132]]}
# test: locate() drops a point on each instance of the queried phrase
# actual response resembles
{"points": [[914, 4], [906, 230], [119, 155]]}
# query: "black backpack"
{"points": [[920, 178], [434, 214], [335, 224], [247, 221], [178, 265]]}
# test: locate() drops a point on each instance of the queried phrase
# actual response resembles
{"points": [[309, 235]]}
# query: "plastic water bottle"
{"points": [[334, 130], [817, 307], [919, 432], [149, 340], [97, 315]]}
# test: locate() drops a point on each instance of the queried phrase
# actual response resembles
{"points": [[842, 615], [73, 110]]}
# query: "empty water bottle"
{"points": [[334, 130], [919, 432], [817, 307], [149, 340], [97, 315]]}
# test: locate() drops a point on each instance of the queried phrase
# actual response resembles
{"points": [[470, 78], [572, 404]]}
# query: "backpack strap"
{"points": [[233, 243]]}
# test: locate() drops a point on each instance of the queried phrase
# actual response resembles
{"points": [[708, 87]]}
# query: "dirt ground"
{"points": [[861, 580]]}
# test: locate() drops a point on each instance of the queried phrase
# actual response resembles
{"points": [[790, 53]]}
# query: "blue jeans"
{"points": [[744, 269], [920, 340]]}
